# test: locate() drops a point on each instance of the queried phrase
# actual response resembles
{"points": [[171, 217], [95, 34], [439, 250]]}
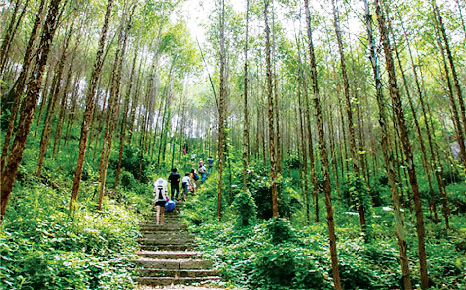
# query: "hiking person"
{"points": [[210, 162], [202, 170], [193, 180], [200, 162], [161, 198], [174, 180], [184, 184]]}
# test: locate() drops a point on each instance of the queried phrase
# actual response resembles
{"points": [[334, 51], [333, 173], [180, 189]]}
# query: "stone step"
{"points": [[185, 247], [154, 272], [165, 234], [169, 254], [166, 281], [170, 218], [164, 227], [176, 240], [185, 264]]}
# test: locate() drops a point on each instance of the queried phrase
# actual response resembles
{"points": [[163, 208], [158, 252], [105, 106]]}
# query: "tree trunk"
{"points": [[89, 108], [349, 115], [441, 28], [113, 105], [10, 33], [14, 159], [44, 140], [221, 110], [245, 106], [16, 91], [323, 154], [125, 117], [398, 110], [388, 154], [271, 117]]}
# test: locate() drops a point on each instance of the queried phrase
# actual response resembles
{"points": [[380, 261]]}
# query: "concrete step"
{"points": [[166, 281], [164, 227], [154, 272], [175, 240], [168, 235], [185, 247], [191, 264], [169, 254]]}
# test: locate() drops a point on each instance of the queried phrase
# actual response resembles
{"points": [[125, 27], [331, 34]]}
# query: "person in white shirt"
{"points": [[202, 170], [184, 184], [161, 197]]}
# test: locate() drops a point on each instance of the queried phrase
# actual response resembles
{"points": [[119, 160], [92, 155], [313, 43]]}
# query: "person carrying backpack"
{"points": [[193, 180], [185, 184], [161, 198], [174, 180], [202, 170], [210, 161]]}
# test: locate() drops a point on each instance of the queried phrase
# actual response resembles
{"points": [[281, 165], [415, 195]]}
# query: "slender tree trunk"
{"points": [[323, 154], [388, 154], [349, 115], [125, 118], [10, 33], [245, 106], [14, 159], [276, 93], [89, 108], [221, 110], [44, 141], [441, 28], [16, 91], [113, 106], [64, 100], [429, 132], [400, 119], [425, 163], [271, 117]]}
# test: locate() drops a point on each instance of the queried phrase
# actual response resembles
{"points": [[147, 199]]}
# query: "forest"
{"points": [[337, 130]]}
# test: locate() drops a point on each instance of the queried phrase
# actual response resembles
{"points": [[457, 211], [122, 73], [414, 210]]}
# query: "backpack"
{"points": [[170, 205], [196, 177]]}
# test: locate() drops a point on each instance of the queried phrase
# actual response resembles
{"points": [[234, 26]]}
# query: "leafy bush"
{"points": [[42, 247], [132, 162], [457, 197], [244, 208]]}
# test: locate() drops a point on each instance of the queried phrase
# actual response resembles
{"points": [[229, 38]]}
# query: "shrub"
{"points": [[244, 208]]}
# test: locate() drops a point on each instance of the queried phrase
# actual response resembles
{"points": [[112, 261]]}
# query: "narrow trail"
{"points": [[168, 256]]}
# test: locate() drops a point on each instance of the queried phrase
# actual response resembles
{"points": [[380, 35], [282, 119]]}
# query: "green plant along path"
{"points": [[335, 132]]}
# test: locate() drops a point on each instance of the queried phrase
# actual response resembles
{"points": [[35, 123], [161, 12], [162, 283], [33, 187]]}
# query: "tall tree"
{"points": [[91, 90], [16, 91], [323, 153], [349, 114], [11, 168], [245, 104], [271, 116], [406, 144], [388, 152], [221, 108]]}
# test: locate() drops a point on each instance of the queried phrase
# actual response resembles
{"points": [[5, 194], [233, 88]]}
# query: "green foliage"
{"points": [[279, 231], [261, 189], [42, 247], [457, 197], [133, 162], [244, 208], [292, 162]]}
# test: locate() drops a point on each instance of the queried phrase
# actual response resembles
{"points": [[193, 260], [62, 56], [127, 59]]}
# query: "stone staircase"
{"points": [[168, 255]]}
